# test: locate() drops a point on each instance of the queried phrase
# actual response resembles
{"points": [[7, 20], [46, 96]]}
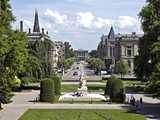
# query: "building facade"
{"points": [[60, 53], [81, 55], [50, 52], [114, 47]]}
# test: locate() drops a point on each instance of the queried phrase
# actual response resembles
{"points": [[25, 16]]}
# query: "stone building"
{"points": [[81, 55], [60, 52], [114, 47], [43, 46]]}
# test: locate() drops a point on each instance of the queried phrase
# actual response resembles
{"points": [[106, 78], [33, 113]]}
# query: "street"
{"points": [[81, 68]]}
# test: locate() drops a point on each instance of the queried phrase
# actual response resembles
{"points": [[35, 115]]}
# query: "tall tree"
{"points": [[150, 20], [69, 52], [13, 51], [122, 67], [149, 53]]}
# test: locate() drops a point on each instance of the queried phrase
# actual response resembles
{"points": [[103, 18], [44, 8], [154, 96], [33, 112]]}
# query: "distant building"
{"points": [[114, 47], [60, 52], [51, 51], [81, 54]]}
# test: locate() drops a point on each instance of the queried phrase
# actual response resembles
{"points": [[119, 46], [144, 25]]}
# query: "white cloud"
{"points": [[85, 19], [83, 1], [59, 18], [127, 21], [27, 24], [88, 20], [48, 25], [101, 22]]}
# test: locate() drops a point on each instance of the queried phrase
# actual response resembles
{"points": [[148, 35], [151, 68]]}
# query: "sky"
{"points": [[80, 22]]}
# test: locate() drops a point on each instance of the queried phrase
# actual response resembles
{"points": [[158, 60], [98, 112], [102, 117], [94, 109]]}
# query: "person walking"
{"points": [[141, 101]]}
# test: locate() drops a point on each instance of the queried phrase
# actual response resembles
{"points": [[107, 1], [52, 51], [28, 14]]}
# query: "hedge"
{"points": [[47, 91], [115, 89], [57, 85]]}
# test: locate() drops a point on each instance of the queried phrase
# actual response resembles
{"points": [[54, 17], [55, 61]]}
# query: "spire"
{"points": [[36, 27], [111, 33]]}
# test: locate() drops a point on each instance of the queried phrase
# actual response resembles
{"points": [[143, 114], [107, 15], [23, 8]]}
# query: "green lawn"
{"points": [[128, 83], [73, 88], [69, 88], [50, 114]]}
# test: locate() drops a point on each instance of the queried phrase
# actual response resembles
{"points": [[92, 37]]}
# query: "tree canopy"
{"points": [[13, 50], [69, 52], [96, 63], [122, 67], [147, 63]]}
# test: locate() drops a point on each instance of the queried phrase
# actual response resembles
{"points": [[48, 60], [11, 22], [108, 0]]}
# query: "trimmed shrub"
{"points": [[57, 85], [27, 80], [47, 91], [115, 89]]}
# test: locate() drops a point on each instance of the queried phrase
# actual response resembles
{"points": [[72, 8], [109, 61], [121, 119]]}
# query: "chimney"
{"points": [[29, 31], [42, 30], [21, 26]]}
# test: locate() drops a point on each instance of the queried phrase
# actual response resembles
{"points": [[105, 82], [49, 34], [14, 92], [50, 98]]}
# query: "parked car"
{"points": [[75, 73]]}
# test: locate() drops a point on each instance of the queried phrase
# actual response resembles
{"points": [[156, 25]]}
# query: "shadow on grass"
{"points": [[149, 110]]}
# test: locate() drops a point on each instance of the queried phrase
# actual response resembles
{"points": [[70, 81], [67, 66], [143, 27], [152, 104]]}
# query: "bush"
{"points": [[47, 91], [105, 78], [115, 89], [27, 80], [57, 85]]}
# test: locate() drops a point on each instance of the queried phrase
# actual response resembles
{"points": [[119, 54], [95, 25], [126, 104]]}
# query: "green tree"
{"points": [[115, 89], [69, 52], [122, 67], [68, 63], [93, 53], [13, 51], [149, 46], [96, 63]]}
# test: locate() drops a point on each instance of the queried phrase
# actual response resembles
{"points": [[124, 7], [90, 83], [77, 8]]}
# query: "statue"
{"points": [[83, 88]]}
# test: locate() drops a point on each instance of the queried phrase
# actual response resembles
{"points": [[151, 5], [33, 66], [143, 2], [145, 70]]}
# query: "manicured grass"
{"points": [[73, 88], [61, 114], [69, 88], [132, 83]]}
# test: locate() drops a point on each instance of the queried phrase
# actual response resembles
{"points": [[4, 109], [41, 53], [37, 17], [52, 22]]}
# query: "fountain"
{"points": [[82, 93]]}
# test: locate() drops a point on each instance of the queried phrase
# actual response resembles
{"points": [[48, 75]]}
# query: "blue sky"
{"points": [[81, 22]]}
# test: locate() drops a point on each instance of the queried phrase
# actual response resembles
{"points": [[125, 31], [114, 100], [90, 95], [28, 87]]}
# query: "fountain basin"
{"points": [[87, 97]]}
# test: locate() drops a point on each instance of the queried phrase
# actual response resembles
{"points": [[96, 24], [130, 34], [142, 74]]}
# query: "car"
{"points": [[75, 73]]}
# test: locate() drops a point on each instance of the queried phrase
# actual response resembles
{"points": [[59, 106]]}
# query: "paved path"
{"points": [[21, 103]]}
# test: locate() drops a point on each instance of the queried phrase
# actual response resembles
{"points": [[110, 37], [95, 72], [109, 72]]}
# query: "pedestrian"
{"points": [[137, 103], [134, 101], [141, 101]]}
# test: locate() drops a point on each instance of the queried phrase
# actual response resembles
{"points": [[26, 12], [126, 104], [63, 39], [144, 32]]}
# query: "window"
{"points": [[129, 51], [111, 52]]}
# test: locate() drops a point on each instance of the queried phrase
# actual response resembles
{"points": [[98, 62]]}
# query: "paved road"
{"points": [[88, 74]]}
